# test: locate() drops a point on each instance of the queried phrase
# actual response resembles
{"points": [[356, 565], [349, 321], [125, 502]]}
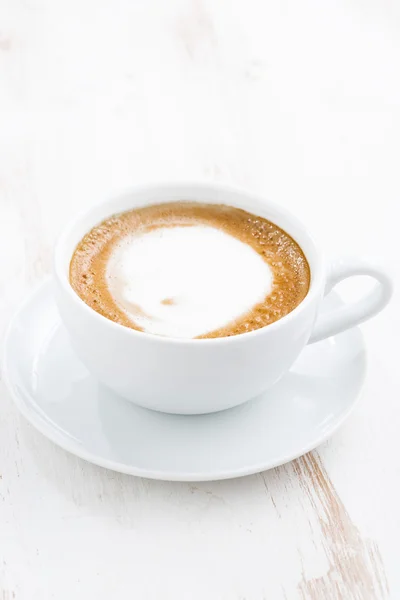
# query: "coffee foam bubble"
{"points": [[185, 281]]}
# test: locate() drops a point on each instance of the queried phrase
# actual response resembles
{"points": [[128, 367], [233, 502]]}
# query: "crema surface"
{"points": [[190, 270]]}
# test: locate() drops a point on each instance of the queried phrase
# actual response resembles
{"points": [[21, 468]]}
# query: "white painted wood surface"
{"points": [[296, 100]]}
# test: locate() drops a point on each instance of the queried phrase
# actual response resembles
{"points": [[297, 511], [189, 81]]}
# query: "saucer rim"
{"points": [[49, 431]]}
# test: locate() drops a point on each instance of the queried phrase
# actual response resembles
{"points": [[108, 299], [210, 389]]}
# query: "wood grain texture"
{"points": [[356, 568], [299, 101]]}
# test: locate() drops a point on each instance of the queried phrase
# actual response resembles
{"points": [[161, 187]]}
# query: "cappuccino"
{"points": [[190, 270]]}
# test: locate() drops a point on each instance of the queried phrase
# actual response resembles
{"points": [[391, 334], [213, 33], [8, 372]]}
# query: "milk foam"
{"points": [[186, 281]]}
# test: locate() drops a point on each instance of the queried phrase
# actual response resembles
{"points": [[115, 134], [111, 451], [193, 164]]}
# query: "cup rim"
{"points": [[317, 269]]}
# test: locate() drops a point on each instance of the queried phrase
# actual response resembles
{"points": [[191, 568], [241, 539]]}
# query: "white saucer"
{"points": [[54, 391]]}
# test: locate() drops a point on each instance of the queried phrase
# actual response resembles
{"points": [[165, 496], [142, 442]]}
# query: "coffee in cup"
{"points": [[113, 245], [190, 270]]}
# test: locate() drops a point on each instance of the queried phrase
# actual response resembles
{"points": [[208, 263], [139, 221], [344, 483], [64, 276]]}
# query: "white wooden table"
{"points": [[299, 101]]}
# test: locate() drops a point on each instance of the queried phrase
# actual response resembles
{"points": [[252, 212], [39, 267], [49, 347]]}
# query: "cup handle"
{"points": [[343, 318]]}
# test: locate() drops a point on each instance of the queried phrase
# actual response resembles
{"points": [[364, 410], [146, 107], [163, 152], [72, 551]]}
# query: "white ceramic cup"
{"points": [[201, 376]]}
